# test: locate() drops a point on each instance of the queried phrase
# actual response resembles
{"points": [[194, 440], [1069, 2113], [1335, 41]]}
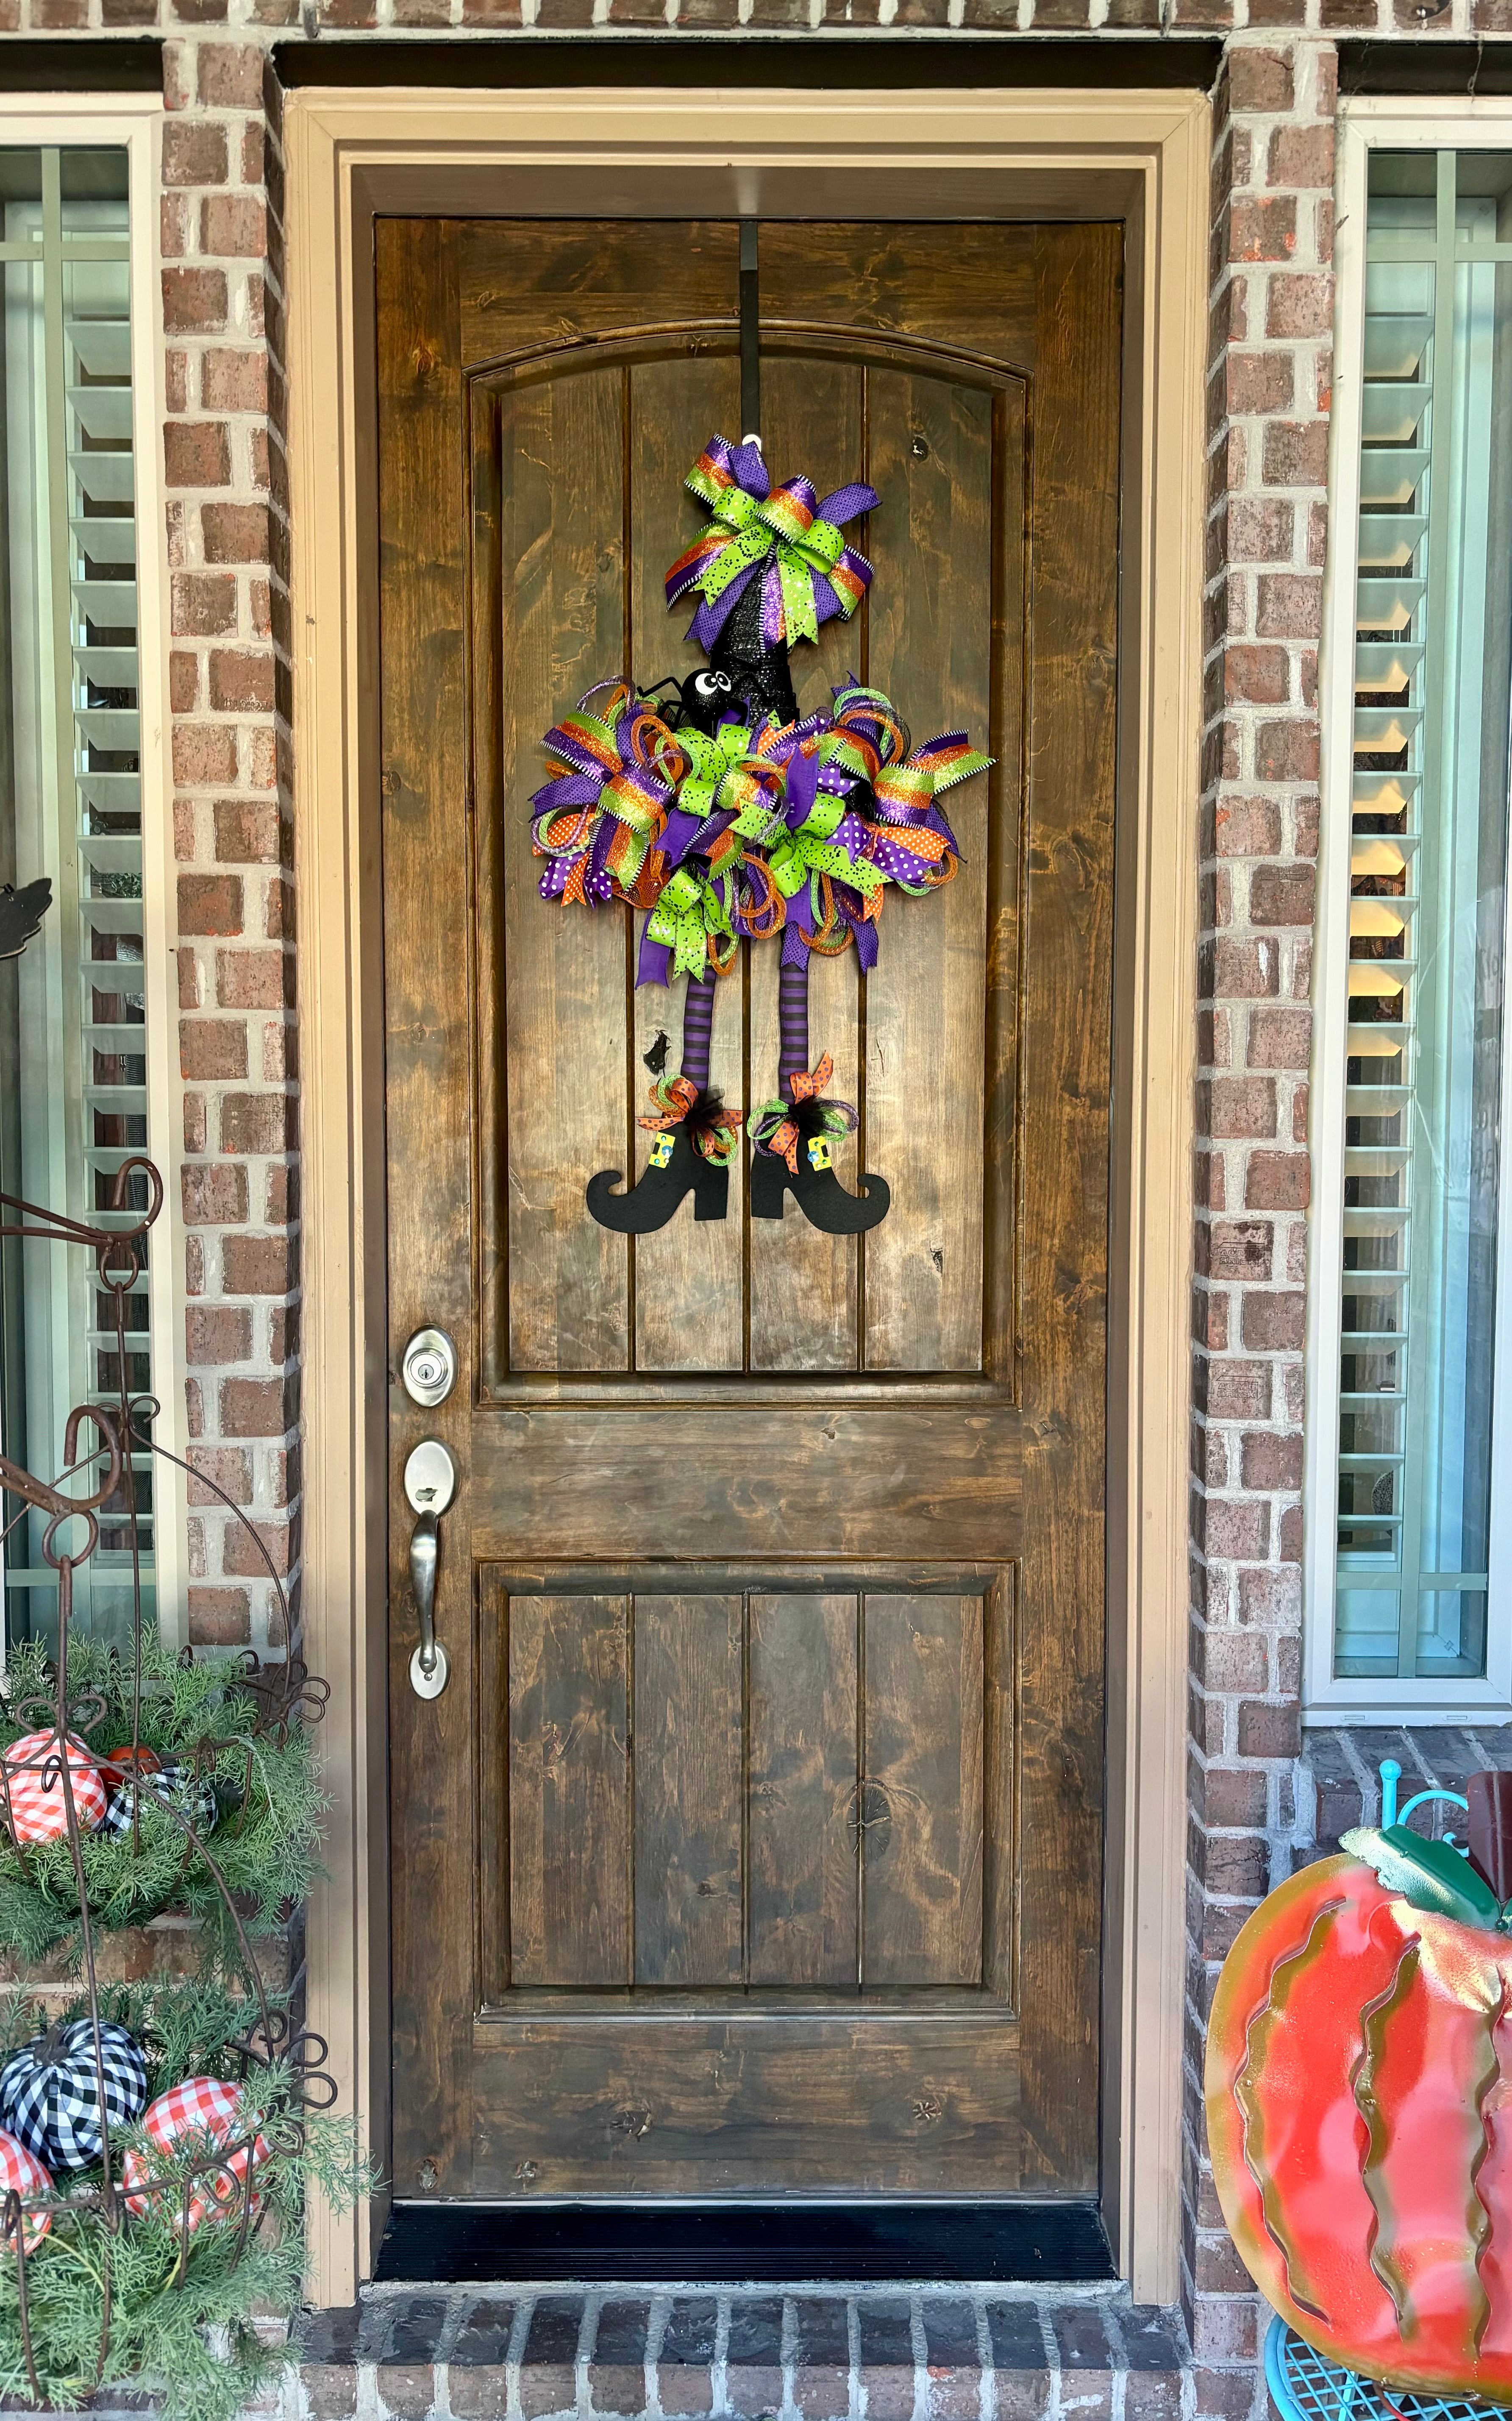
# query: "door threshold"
{"points": [[858, 2244]]}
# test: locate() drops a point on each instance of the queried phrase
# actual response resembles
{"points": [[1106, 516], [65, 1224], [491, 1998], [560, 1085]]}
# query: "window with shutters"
{"points": [[77, 1008], [1413, 1389]]}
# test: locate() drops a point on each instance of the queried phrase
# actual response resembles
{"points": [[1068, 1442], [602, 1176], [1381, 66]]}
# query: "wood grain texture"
{"points": [[525, 284], [688, 1761], [689, 1309], [934, 1481], [423, 609], [1066, 993], [568, 1109], [802, 1886], [932, 458], [706, 2105], [570, 1816], [922, 1791]]}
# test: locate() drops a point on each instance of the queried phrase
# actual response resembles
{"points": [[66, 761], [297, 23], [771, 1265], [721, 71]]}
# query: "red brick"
{"points": [[210, 903], [183, 680], [230, 1467], [173, 225], [204, 604], [1236, 1529], [214, 1193], [1259, 80], [204, 755], [233, 382], [1247, 827], [219, 1618], [217, 1331], [1257, 382], [1282, 895], [1296, 454], [1278, 1038], [1299, 303], [255, 1123], [1268, 1731], [1259, 530], [255, 1265], [247, 832], [1242, 1105], [1274, 1322], [1262, 229], [1246, 970], [1267, 1460], [1300, 156], [235, 533], [1286, 752], [212, 1049], [1278, 1180], [239, 1552], [1290, 605], [233, 227], [195, 1132], [241, 682], [1256, 676], [1239, 1248], [254, 980], [197, 453], [231, 75], [193, 301], [256, 1407], [1234, 1390], [1232, 1798]]}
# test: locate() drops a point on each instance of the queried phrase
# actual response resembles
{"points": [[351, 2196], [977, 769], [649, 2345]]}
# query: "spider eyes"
{"points": [[710, 685]]}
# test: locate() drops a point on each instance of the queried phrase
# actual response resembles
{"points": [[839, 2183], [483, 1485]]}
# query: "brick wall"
{"points": [[1252, 1805]]}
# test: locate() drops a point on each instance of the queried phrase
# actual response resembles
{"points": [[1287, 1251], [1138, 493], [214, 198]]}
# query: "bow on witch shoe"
{"points": [[792, 1140], [695, 1139]]}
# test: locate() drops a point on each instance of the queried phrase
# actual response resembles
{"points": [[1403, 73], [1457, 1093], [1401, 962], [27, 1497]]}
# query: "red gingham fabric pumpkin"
{"points": [[20, 2173], [38, 1804], [190, 2117]]}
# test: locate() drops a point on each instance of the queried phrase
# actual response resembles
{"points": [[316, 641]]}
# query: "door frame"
{"points": [[1139, 157]]}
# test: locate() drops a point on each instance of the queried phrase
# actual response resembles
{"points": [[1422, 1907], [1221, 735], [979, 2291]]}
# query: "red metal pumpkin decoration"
{"points": [[1358, 2088]]}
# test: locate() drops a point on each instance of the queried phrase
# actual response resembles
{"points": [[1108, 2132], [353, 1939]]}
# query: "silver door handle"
{"points": [[429, 1483]]}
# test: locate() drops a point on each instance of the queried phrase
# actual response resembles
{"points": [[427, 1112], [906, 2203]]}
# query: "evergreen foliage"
{"points": [[264, 1844]]}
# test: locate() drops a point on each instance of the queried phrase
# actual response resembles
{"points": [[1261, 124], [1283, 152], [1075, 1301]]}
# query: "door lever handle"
{"points": [[429, 1483]]}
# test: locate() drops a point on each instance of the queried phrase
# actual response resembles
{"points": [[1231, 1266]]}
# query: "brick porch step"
{"points": [[503, 2354]]}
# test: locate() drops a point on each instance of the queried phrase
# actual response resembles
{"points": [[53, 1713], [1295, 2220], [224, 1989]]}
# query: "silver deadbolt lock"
{"points": [[428, 1368], [429, 1483]]}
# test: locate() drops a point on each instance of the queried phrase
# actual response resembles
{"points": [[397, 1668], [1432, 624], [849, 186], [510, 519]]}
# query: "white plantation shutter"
{"points": [[1421, 1143], [77, 808]]}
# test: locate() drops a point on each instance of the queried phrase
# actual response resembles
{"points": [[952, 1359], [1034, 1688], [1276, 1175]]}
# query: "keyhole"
{"points": [[919, 447]]}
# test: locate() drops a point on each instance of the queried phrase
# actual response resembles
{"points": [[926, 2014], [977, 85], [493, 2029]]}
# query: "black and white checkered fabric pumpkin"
{"points": [[176, 1785], [50, 2095]]}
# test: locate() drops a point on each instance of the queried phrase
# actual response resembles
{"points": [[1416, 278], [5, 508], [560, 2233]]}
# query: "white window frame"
{"points": [[133, 122], [1366, 125]]}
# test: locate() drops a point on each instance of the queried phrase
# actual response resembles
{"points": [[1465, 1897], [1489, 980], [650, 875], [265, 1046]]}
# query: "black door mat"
{"points": [[1034, 2243]]}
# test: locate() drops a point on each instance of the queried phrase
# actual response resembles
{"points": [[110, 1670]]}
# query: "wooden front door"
{"points": [[756, 1844]]}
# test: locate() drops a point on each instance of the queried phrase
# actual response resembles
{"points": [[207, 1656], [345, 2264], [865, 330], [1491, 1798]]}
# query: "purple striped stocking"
{"points": [[697, 1025], [792, 1024]]}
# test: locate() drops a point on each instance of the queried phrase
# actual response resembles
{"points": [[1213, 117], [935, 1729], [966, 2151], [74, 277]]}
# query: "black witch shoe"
{"points": [[792, 1155], [694, 1140]]}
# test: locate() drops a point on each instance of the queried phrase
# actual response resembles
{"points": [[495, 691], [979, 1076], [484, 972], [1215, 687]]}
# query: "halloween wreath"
{"points": [[723, 815]]}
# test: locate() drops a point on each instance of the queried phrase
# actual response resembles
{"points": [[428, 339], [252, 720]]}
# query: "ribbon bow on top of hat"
{"points": [[788, 534]]}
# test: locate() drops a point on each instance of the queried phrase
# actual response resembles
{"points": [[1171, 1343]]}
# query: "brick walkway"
{"points": [[492, 2354]]}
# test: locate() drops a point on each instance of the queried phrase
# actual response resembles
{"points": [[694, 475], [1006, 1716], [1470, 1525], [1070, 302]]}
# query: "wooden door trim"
{"points": [[1140, 157], [663, 341]]}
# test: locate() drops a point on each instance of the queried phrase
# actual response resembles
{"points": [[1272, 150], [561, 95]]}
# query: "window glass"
{"points": [[1428, 916], [73, 1014]]}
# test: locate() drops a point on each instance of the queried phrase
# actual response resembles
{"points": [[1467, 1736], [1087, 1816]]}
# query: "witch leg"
{"points": [[676, 1166], [815, 1186]]}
